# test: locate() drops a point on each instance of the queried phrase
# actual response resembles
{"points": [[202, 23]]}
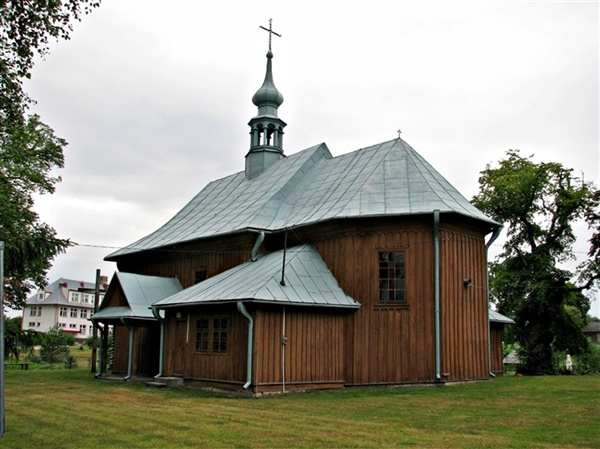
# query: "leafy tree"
{"points": [[12, 334], [29, 149], [55, 345], [538, 203]]}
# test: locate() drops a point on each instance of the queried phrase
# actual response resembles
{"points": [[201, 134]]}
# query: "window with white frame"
{"points": [[63, 311], [72, 326], [31, 324], [82, 328], [38, 324], [32, 311], [73, 313], [61, 325], [83, 313]]}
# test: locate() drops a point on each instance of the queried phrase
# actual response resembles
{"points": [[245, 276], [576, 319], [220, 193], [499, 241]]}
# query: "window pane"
{"points": [[391, 277]]}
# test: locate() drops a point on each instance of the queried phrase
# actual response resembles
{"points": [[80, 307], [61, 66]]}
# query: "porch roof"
{"points": [[140, 293], [496, 317], [308, 282]]}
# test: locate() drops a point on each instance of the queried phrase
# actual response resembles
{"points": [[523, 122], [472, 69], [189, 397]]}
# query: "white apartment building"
{"points": [[66, 304]]}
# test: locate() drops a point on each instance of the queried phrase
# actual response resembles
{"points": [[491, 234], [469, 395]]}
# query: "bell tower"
{"points": [[266, 128]]}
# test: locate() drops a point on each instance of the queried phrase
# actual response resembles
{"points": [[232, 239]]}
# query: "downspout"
{"points": [[436, 294], [259, 240], [129, 352], [242, 308], [161, 347], [494, 236]]}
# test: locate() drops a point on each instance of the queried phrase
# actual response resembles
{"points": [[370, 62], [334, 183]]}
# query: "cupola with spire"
{"points": [[266, 128]]}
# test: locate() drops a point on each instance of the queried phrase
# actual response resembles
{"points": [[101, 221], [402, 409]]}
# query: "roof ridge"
{"points": [[411, 156], [359, 192], [279, 196]]}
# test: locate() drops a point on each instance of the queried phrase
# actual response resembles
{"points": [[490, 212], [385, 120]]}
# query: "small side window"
{"points": [[392, 271]]}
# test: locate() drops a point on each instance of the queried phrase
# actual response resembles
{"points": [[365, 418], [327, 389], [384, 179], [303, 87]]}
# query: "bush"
{"points": [[55, 345], [588, 362], [70, 362]]}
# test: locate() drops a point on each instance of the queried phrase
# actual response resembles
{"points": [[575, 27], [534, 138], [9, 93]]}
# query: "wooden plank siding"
{"points": [[372, 345], [314, 349], [183, 261], [497, 355], [385, 344], [145, 350], [229, 367], [463, 309]]}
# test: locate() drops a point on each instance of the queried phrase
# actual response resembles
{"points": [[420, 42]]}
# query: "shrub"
{"points": [[588, 362], [55, 345], [70, 362]]}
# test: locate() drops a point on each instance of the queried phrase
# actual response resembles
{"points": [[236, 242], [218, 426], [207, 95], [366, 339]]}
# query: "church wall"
{"points": [[185, 261], [313, 353], [463, 308], [182, 358], [395, 344]]}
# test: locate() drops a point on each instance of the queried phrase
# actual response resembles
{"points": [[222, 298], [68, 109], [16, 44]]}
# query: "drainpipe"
{"points": [[436, 294], [494, 236], [129, 352], [255, 248], [161, 347], [242, 308]]}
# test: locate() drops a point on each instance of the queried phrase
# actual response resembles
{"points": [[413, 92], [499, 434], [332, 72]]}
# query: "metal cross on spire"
{"points": [[270, 31]]}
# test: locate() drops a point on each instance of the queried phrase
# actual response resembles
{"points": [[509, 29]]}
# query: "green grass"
{"points": [[68, 409]]}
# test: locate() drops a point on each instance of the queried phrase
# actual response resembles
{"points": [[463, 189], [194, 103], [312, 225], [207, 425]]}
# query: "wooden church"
{"points": [[309, 271]]}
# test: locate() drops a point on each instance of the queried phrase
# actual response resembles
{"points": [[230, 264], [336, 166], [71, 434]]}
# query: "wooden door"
{"points": [[179, 362]]}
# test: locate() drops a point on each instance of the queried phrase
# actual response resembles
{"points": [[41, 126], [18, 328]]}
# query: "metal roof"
{"points": [[141, 292], [57, 294], [592, 326], [308, 282], [499, 318], [310, 186]]}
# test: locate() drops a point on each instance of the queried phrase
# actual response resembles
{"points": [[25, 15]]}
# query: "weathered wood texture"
{"points": [[120, 348], [145, 350], [313, 355], [384, 344], [463, 308], [181, 357], [496, 333], [185, 260]]}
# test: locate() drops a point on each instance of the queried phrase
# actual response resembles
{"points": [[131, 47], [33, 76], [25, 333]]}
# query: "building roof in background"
{"points": [[496, 317], [308, 282], [140, 293], [387, 179], [592, 326], [57, 294]]}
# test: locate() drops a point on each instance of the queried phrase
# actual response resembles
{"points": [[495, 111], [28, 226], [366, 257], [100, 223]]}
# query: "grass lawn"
{"points": [[67, 409]]}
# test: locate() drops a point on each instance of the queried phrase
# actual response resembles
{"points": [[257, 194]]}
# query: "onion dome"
{"points": [[267, 94]]}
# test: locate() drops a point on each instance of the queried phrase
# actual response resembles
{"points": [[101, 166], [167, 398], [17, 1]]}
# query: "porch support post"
{"points": [[101, 371]]}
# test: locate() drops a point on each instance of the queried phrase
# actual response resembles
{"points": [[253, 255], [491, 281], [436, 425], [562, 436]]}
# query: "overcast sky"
{"points": [[154, 101]]}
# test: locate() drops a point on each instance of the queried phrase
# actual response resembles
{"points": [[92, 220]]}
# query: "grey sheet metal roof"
{"points": [[141, 292], [308, 282], [496, 317], [57, 294], [389, 178]]}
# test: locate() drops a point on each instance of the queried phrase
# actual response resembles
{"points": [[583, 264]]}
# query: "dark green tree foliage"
{"points": [[538, 203], [29, 149]]}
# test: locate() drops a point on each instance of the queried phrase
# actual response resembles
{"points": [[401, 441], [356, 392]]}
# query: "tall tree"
{"points": [[538, 203], [29, 149]]}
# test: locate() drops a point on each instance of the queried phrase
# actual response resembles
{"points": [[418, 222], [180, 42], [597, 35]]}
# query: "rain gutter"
{"points": [[242, 308]]}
